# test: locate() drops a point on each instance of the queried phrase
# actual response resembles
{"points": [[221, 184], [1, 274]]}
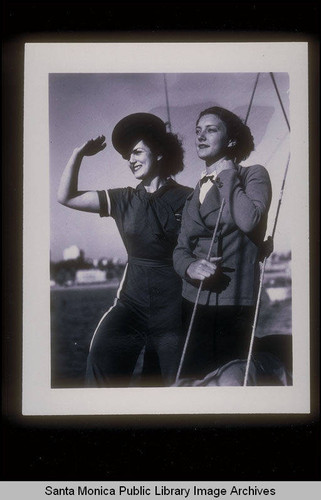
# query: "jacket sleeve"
{"points": [[248, 199], [183, 255]]}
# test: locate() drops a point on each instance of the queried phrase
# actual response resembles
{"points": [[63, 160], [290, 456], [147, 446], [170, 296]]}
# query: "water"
{"points": [[75, 313]]}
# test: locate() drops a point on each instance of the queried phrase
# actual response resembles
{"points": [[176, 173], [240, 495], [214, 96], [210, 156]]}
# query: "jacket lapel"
{"points": [[212, 201], [193, 208]]}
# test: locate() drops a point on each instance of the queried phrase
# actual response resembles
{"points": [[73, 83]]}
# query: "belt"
{"points": [[150, 262]]}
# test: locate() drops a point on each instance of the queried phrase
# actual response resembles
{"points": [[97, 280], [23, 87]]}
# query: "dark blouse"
{"points": [[148, 222]]}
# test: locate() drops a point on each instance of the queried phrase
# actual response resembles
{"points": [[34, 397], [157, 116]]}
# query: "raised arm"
{"points": [[68, 193], [248, 201]]}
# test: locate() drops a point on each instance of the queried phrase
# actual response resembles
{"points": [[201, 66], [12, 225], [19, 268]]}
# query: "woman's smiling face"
{"points": [[211, 138], [142, 161]]}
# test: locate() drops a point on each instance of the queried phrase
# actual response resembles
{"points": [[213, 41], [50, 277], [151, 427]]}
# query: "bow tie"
{"points": [[206, 178]]}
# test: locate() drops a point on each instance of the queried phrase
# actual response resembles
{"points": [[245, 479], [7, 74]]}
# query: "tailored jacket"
{"points": [[247, 193]]}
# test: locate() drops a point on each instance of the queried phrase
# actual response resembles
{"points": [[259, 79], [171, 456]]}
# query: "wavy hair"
{"points": [[237, 132], [170, 147]]}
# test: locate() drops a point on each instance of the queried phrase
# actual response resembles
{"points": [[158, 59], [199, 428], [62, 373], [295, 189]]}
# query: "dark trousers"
{"points": [[118, 342], [219, 335]]}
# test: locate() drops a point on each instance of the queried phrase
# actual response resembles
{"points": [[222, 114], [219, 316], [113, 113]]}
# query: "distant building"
{"points": [[71, 253], [278, 267], [116, 261], [84, 276], [277, 279], [103, 263]]}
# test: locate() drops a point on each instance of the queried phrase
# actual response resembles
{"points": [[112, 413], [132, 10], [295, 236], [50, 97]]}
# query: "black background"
{"points": [[218, 447]]}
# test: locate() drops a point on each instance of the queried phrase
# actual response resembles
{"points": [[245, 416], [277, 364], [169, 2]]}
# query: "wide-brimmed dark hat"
{"points": [[136, 127]]}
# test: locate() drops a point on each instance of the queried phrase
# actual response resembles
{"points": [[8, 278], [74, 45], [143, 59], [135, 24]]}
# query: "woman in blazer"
{"points": [[147, 310], [224, 315]]}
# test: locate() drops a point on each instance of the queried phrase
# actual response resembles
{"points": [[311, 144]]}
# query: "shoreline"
{"points": [[85, 286]]}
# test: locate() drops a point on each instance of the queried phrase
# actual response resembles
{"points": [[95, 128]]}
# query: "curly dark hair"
{"points": [[237, 132], [170, 147]]}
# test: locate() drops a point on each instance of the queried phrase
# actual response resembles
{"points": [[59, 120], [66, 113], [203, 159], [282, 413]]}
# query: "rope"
{"points": [[198, 295], [252, 97], [280, 101], [273, 232], [280, 197], [261, 279]]}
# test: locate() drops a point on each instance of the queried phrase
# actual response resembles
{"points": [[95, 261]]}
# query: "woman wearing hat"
{"points": [[147, 310]]}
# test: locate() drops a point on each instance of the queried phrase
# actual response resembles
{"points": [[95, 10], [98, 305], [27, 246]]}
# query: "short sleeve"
{"points": [[104, 203], [114, 202]]}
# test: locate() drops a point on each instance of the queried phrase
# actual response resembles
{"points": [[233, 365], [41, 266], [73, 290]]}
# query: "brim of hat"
{"points": [[134, 128]]}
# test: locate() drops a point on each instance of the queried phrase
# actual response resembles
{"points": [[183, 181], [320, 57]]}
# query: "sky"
{"points": [[84, 105]]}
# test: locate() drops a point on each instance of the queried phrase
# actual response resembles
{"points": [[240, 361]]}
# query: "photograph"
{"points": [[165, 229], [116, 286]]}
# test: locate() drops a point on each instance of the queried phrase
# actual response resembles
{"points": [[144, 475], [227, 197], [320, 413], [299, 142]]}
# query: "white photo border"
{"points": [[38, 397]]}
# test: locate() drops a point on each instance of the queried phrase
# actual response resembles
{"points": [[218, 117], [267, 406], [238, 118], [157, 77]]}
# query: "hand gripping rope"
{"points": [[198, 294]]}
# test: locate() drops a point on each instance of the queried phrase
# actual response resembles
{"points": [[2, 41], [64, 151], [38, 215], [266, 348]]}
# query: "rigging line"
{"points": [[167, 104], [256, 315], [252, 97], [198, 295], [280, 197], [279, 144], [280, 100], [261, 279]]}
